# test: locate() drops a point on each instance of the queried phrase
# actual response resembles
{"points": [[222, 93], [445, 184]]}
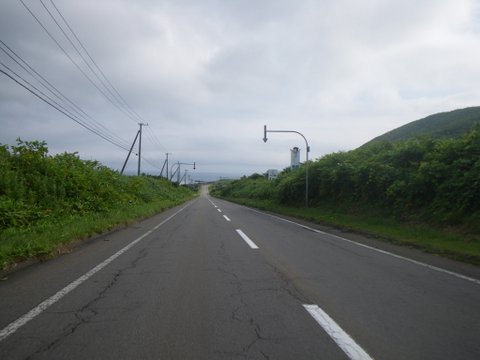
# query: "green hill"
{"points": [[442, 125]]}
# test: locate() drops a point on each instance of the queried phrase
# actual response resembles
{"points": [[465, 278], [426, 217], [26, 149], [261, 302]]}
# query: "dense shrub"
{"points": [[431, 179], [36, 186], [255, 186]]}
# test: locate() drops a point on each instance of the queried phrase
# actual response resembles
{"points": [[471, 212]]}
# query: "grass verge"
{"points": [[47, 239], [447, 243]]}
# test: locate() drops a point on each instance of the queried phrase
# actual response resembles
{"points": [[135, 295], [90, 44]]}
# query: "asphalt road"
{"points": [[214, 280]]}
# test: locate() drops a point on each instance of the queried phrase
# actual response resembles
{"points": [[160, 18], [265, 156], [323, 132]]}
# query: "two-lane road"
{"points": [[214, 280]]}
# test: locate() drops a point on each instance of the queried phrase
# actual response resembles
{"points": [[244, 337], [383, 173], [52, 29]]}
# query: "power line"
{"points": [[110, 93], [45, 98], [70, 58], [102, 82], [58, 94], [154, 140], [113, 91], [96, 66], [151, 164]]}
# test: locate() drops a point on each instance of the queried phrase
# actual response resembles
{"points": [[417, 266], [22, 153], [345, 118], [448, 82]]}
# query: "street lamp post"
{"points": [[307, 150]]}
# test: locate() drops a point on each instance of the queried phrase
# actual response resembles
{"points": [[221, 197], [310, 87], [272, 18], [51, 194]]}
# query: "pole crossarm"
{"points": [[307, 147]]}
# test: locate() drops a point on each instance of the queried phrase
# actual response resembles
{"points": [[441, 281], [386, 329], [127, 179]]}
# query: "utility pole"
{"points": [[166, 161], [140, 146], [128, 156], [184, 177], [172, 173], [177, 171]]}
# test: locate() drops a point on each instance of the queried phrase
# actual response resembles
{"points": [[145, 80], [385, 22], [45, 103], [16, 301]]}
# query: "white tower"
{"points": [[295, 158]]}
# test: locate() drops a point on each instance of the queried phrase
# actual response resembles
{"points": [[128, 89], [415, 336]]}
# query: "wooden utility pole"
{"points": [[140, 146]]}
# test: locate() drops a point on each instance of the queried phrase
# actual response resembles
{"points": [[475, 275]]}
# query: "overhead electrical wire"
{"points": [[59, 95], [74, 112], [151, 163], [119, 104], [48, 100], [70, 58], [128, 107], [103, 79], [154, 139], [45, 98]]}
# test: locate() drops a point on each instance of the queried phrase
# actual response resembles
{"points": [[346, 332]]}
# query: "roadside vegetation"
{"points": [[424, 192], [442, 125], [47, 202]]}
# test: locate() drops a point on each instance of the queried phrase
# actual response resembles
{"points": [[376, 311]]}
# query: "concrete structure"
{"points": [[272, 174], [294, 158]]}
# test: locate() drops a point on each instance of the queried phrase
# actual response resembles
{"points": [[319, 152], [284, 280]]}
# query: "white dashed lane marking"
{"points": [[341, 338], [247, 239]]}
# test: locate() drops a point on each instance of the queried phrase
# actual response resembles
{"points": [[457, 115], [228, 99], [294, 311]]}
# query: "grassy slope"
{"points": [[47, 202], [47, 239], [448, 124], [395, 172]]}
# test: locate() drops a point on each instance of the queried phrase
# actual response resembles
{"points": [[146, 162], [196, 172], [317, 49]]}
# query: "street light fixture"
{"points": [[265, 131]]}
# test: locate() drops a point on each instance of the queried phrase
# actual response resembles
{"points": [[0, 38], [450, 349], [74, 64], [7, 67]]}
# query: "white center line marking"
{"points": [[343, 340], [17, 324], [219, 210], [226, 218], [247, 239]]}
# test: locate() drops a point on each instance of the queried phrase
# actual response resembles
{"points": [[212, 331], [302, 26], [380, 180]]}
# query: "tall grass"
{"points": [[49, 201], [421, 191]]}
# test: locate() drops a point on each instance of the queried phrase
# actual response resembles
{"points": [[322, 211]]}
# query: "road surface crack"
{"points": [[85, 314], [289, 287]]}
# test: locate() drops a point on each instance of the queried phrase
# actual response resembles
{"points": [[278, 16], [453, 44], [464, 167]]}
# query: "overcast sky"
{"points": [[206, 75]]}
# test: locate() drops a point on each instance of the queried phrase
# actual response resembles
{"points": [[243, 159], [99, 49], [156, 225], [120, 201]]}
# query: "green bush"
{"points": [[433, 180], [49, 201], [35, 186]]}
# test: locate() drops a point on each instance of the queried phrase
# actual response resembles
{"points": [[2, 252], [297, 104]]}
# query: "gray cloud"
{"points": [[208, 75]]}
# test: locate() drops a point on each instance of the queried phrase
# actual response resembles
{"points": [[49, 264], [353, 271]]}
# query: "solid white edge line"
{"points": [[341, 338], [431, 267], [419, 263], [17, 324], [226, 218], [246, 239]]}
